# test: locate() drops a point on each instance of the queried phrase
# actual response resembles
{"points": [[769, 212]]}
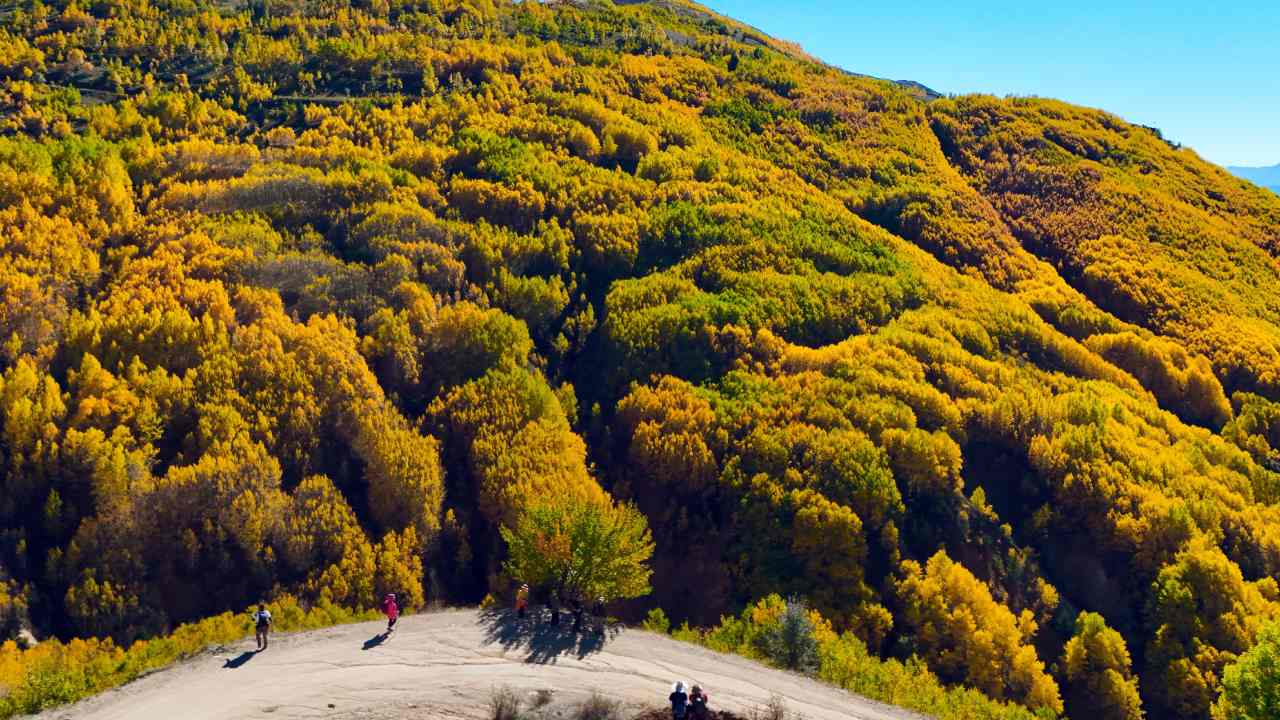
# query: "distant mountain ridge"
{"points": [[1267, 177]]}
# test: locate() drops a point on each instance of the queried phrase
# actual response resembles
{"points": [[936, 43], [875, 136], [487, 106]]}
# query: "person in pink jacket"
{"points": [[392, 610]]}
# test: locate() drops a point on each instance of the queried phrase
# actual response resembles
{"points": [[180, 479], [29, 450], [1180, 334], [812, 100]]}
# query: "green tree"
{"points": [[582, 549], [1251, 686], [791, 643]]}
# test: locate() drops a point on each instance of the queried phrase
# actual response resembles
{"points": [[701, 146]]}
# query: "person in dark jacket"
{"points": [[698, 704], [679, 702], [598, 609], [553, 605]]}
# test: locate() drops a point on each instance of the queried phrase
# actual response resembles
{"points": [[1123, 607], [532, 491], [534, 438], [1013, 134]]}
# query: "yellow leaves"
{"points": [[1096, 673], [850, 297], [304, 191], [828, 539], [97, 608], [609, 243], [202, 159], [517, 443], [929, 463], [47, 261], [554, 545], [1202, 613], [967, 635], [627, 143], [543, 458], [399, 570], [1184, 383], [580, 548], [406, 483], [518, 205], [13, 611], [669, 427]]}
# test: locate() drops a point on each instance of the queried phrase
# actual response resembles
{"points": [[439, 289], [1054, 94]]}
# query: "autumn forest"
{"points": [[320, 299]]}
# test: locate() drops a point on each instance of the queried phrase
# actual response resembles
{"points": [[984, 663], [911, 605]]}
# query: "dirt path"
{"points": [[445, 665]]}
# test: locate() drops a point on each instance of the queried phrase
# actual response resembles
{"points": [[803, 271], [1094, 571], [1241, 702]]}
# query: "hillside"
{"points": [[317, 298], [446, 665]]}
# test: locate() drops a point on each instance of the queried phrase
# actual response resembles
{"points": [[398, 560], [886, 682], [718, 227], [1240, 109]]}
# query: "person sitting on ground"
{"points": [[392, 610], [262, 623], [679, 702], [522, 601], [698, 703]]}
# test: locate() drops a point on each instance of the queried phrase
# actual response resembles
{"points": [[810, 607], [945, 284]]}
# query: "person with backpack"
{"points": [[698, 703], [392, 610], [679, 702], [262, 623]]}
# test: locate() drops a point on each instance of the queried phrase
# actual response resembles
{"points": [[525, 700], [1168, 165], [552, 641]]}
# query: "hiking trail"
{"points": [[445, 665]]}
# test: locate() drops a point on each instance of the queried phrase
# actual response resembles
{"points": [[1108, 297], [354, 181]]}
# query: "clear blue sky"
{"points": [[1206, 73]]}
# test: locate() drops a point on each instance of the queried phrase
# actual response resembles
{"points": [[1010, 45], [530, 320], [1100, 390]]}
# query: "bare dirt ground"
{"points": [[446, 665]]}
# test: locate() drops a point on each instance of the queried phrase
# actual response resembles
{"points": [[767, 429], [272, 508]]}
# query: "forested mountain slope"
{"points": [[313, 297]]}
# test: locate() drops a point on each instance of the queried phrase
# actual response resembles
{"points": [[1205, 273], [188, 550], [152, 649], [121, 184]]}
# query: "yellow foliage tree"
{"points": [[966, 636]]}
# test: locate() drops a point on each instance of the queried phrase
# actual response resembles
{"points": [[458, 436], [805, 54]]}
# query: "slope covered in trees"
{"points": [[331, 299]]}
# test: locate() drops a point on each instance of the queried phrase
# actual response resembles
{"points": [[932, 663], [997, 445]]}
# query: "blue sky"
{"points": [[1206, 73]]}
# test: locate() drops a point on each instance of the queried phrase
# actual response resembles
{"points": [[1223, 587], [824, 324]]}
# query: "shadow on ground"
{"points": [[375, 641], [665, 714], [543, 641], [241, 659]]}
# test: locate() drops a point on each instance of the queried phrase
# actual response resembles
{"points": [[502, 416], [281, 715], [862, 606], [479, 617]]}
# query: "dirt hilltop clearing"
{"points": [[446, 665]]}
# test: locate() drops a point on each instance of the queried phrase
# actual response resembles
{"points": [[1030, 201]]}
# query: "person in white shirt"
{"points": [[262, 621]]}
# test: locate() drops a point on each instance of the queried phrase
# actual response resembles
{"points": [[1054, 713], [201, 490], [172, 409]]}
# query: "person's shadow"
{"points": [[244, 657], [545, 642], [375, 641]]}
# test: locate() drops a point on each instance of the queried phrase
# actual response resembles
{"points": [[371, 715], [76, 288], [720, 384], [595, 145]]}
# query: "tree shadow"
{"points": [[244, 657], [375, 641], [544, 642]]}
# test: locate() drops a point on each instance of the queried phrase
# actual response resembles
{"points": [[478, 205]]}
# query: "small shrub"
{"points": [[791, 643], [504, 704], [542, 698], [598, 707], [656, 622], [775, 709]]}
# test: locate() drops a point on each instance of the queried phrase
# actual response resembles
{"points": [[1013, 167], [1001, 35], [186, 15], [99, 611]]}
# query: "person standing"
{"points": [[679, 702], [522, 601], [598, 609], [698, 703], [553, 604], [262, 624], [392, 610]]}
